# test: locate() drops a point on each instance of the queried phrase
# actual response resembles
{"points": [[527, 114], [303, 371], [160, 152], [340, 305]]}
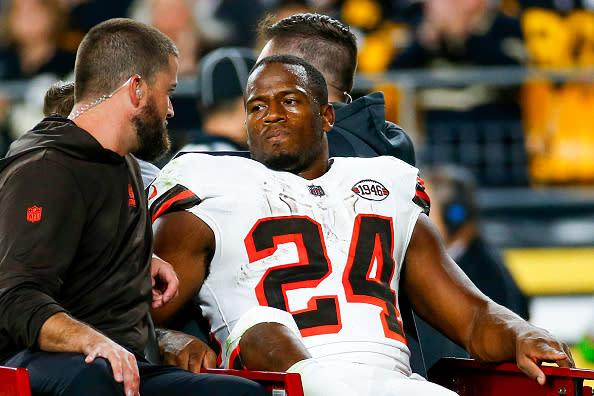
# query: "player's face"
{"points": [[285, 125], [151, 121]]}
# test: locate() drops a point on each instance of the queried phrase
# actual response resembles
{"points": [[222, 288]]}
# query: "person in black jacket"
{"points": [[77, 275], [361, 129], [455, 212]]}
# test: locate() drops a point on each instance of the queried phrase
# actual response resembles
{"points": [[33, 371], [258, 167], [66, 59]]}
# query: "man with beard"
{"points": [[298, 259], [59, 99], [77, 274]]}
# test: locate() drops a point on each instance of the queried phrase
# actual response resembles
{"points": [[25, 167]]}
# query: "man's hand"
{"points": [[123, 363], [165, 282], [185, 351], [536, 346], [62, 333]]}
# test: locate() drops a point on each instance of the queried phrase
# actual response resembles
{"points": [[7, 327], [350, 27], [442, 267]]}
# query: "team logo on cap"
{"points": [[371, 189], [317, 191], [34, 214]]}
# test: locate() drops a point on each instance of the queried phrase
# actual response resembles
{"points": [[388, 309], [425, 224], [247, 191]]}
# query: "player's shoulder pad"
{"points": [[409, 172], [175, 198], [169, 192], [421, 198]]}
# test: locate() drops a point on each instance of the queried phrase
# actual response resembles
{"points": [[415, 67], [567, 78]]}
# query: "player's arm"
{"points": [[187, 243], [444, 296], [269, 340]]}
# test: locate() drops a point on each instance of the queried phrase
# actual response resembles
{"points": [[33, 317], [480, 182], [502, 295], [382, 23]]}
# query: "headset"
{"points": [[457, 211], [457, 188]]}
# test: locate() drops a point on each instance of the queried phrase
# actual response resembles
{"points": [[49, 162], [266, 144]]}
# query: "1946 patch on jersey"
{"points": [[371, 189]]}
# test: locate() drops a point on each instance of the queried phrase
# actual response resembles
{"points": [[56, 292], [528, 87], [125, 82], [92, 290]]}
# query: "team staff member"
{"points": [[75, 239], [59, 99], [297, 259]]}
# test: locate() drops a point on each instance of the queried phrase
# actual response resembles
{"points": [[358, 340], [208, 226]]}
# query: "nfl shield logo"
{"points": [[317, 191], [34, 214]]}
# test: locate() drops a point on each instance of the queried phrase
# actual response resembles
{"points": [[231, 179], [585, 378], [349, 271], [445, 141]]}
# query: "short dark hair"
{"points": [[316, 84], [59, 99], [324, 42], [115, 50]]}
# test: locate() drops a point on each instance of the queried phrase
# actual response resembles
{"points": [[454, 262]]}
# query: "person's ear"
{"points": [[136, 89], [327, 113]]}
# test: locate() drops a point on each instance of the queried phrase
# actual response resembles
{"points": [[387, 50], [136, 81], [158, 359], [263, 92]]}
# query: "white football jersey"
{"points": [[328, 250]]}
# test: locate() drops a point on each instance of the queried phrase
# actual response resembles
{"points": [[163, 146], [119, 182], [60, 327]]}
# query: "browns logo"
{"points": [[371, 189]]}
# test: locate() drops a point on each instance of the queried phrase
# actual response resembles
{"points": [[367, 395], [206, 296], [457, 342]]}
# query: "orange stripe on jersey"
{"points": [[235, 360], [423, 195], [421, 198], [171, 201]]}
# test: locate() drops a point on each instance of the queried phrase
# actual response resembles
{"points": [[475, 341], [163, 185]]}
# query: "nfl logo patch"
{"points": [[34, 214], [317, 191]]}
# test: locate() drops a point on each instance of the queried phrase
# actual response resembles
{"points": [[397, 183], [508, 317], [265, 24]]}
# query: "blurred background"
{"points": [[501, 88]]}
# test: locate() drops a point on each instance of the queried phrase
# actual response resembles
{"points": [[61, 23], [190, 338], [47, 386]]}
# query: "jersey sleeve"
{"points": [[42, 216], [169, 192], [421, 197]]}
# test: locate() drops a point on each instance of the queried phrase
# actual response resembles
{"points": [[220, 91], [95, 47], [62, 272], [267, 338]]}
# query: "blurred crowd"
{"points": [[535, 130]]}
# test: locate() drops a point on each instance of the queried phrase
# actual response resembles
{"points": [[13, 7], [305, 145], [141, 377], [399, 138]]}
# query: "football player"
{"points": [[297, 259]]}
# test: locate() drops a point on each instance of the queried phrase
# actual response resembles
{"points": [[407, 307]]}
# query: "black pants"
{"points": [[68, 374]]}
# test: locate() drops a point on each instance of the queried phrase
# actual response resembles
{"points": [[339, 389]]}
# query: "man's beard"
{"points": [[152, 132]]}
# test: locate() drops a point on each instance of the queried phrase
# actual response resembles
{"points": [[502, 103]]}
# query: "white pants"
{"points": [[331, 376], [372, 381]]}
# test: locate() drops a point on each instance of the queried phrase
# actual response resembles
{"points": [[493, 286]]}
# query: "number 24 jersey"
{"points": [[328, 250]]}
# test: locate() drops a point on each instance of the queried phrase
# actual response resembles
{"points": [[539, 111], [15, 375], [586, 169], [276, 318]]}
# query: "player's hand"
{"points": [[185, 351], [535, 346], [165, 282], [123, 363]]}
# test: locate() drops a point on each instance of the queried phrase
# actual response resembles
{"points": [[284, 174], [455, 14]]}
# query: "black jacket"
{"points": [[74, 237], [361, 130], [486, 270]]}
